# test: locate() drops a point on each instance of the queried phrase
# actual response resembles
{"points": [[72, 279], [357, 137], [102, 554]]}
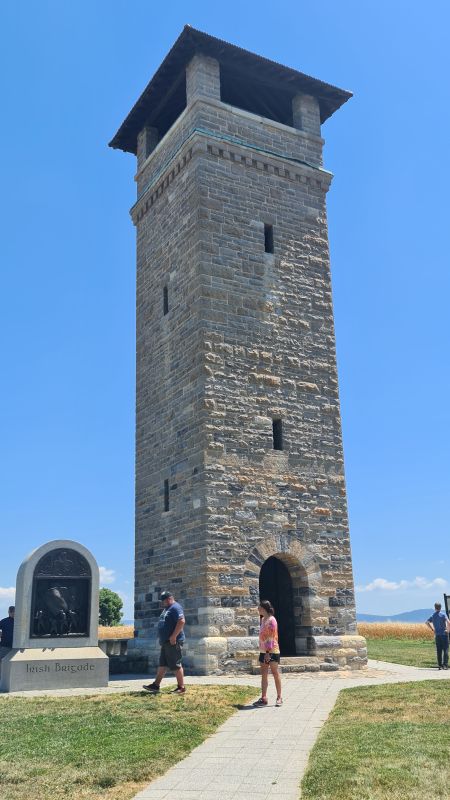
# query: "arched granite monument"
{"points": [[55, 642]]}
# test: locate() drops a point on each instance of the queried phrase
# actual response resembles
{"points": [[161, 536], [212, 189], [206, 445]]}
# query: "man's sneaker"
{"points": [[278, 701], [152, 687], [261, 702], [179, 690]]}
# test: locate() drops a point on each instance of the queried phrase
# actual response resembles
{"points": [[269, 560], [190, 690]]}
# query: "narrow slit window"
{"points": [[268, 238], [165, 300], [277, 429], [166, 495]]}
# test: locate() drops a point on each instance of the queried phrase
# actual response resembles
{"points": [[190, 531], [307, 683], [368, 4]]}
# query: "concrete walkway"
{"points": [[262, 753]]}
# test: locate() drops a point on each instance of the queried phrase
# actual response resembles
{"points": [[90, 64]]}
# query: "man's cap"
{"points": [[165, 595]]}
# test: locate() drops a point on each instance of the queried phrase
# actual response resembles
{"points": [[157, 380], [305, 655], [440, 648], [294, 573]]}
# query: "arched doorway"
{"points": [[275, 584]]}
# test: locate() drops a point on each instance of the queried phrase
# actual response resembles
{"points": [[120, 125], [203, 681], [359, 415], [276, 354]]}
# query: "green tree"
{"points": [[110, 607]]}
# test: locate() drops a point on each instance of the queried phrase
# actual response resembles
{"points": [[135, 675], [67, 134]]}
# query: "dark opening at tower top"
{"points": [[248, 81]]}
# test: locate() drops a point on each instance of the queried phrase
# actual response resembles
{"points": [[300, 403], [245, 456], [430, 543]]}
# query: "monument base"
{"points": [[54, 668]]}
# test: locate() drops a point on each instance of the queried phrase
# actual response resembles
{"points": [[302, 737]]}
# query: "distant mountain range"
{"points": [[418, 615]]}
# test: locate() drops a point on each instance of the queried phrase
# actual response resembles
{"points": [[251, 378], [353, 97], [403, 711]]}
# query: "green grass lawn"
{"points": [[412, 652], [107, 746], [384, 743]]}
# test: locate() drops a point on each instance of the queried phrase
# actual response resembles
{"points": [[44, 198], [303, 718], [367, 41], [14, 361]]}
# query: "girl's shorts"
{"points": [[273, 657]]}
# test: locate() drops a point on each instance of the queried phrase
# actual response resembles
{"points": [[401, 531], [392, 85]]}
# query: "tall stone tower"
{"points": [[240, 488]]}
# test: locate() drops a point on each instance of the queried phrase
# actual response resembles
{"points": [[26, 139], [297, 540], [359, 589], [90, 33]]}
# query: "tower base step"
{"points": [[300, 664]]}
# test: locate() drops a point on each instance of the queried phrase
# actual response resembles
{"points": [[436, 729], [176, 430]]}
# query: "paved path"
{"points": [[258, 753], [262, 753]]}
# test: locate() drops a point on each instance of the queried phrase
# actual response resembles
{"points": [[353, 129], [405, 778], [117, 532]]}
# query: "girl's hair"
{"points": [[267, 606]]}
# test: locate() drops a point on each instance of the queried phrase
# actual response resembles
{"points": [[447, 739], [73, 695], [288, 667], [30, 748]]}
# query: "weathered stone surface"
{"points": [[214, 644], [247, 338], [327, 642], [217, 616]]}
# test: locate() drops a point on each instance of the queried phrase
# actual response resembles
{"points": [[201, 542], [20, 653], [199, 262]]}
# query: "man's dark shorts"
{"points": [[170, 656]]}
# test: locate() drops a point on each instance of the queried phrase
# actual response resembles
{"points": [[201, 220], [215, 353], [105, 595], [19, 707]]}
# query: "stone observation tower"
{"points": [[240, 488]]}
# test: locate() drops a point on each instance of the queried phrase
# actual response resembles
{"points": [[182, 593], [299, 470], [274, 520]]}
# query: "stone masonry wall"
{"points": [[168, 406], [249, 337]]}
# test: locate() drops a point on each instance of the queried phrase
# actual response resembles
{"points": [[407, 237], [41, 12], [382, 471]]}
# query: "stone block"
{"points": [[233, 630], [216, 616], [212, 644], [353, 641], [327, 642], [242, 655], [55, 668], [235, 643]]}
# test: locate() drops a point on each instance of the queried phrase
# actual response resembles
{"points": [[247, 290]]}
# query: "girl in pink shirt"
{"points": [[269, 655]]}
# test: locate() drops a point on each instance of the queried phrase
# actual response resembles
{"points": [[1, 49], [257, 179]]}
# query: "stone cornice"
{"points": [[229, 148]]}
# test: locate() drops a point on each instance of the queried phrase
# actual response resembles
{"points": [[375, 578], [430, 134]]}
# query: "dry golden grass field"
{"points": [[394, 630], [371, 630], [408, 643], [116, 632]]}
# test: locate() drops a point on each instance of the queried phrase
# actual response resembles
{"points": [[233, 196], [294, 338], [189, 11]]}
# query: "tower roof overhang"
{"points": [[163, 98]]}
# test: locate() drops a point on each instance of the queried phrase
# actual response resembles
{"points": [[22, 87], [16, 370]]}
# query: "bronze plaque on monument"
{"points": [[61, 595]]}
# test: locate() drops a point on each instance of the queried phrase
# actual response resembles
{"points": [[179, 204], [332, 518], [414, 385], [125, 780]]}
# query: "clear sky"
{"points": [[70, 73]]}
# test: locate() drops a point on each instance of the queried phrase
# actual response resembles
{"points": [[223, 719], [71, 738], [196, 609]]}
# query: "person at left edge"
{"points": [[171, 638], [7, 629]]}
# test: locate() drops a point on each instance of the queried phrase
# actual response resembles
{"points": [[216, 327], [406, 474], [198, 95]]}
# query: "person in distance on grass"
{"points": [[269, 656], [439, 624], [171, 637], [7, 629]]}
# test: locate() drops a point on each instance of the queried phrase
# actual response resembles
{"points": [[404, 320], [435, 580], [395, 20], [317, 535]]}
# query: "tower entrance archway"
{"points": [[275, 584]]}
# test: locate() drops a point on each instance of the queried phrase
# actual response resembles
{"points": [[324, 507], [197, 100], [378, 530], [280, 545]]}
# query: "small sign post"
{"points": [[446, 601]]}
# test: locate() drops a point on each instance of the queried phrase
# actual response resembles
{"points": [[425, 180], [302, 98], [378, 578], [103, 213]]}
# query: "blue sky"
{"points": [[70, 74]]}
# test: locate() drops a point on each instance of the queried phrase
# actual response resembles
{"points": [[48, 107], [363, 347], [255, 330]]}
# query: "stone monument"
{"points": [[55, 642], [240, 487]]}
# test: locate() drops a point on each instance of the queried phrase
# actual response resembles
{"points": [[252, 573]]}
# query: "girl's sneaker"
{"points": [[261, 702], [278, 701]]}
